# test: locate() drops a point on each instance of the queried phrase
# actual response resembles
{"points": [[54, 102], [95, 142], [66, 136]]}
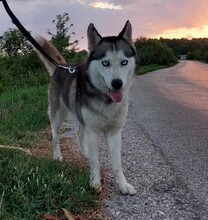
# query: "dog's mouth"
{"points": [[116, 95]]}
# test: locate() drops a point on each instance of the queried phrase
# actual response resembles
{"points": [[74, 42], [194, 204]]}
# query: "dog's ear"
{"points": [[93, 37], [126, 33]]}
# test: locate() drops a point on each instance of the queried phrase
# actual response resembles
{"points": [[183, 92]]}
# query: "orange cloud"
{"points": [[195, 32]]}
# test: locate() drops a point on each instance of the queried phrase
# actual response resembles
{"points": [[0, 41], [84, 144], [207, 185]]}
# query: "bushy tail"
{"points": [[51, 51]]}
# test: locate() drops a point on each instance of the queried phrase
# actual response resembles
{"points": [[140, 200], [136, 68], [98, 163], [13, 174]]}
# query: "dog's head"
{"points": [[111, 61]]}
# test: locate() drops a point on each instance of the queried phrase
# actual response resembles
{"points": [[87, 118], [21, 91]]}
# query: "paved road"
{"points": [[165, 146]]}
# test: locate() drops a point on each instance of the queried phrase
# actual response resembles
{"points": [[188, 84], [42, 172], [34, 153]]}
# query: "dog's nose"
{"points": [[117, 83]]}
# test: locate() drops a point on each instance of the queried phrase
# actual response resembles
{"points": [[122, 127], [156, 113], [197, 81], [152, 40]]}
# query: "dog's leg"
{"points": [[82, 142], [113, 141], [57, 119], [91, 143]]}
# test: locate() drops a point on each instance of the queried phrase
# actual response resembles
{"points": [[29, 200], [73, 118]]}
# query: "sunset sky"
{"points": [[150, 18]]}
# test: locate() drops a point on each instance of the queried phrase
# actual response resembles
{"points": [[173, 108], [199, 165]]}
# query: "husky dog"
{"points": [[97, 93]]}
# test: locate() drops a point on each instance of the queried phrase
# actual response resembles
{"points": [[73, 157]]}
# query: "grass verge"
{"points": [[152, 67], [23, 112], [30, 186]]}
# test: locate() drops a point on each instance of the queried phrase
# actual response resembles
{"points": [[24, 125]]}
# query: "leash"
{"points": [[71, 69]]}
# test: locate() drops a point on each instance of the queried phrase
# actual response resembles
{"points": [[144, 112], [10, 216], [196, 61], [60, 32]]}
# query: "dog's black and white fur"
{"points": [[97, 94]]}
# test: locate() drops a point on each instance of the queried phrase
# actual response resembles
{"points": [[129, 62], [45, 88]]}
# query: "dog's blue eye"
{"points": [[124, 62], [106, 63]]}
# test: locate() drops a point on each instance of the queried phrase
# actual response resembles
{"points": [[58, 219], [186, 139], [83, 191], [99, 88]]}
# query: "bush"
{"points": [[76, 57], [22, 71], [152, 51], [194, 55], [205, 56]]}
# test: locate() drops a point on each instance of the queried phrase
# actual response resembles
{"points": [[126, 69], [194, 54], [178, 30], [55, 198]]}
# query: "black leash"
{"points": [[32, 40]]}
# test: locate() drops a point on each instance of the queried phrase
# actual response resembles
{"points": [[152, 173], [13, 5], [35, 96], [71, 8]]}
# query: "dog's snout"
{"points": [[117, 83]]}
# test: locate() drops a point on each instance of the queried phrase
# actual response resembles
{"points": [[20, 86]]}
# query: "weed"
{"points": [[30, 186]]}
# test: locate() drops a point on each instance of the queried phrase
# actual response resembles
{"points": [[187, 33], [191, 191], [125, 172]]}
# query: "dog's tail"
{"points": [[51, 51]]}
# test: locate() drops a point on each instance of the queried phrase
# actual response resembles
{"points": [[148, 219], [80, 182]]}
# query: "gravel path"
{"points": [[160, 194]]}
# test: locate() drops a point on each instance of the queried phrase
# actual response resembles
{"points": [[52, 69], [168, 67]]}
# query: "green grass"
{"points": [[30, 186], [152, 67], [23, 113]]}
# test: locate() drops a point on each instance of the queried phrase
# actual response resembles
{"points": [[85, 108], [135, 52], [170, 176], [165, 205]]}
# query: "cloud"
{"points": [[188, 33], [105, 5]]}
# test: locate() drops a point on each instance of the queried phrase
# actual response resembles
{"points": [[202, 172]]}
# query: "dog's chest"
{"points": [[103, 117]]}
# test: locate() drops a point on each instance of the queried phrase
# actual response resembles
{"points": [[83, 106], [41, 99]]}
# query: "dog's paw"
{"points": [[57, 156], [85, 153], [127, 188], [96, 185]]}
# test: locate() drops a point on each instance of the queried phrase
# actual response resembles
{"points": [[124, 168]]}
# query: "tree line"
{"points": [[166, 51], [195, 49], [152, 51]]}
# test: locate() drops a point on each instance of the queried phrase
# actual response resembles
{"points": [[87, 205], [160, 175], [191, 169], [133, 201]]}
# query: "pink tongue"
{"points": [[116, 96]]}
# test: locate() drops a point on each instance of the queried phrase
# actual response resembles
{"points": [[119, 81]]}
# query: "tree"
{"points": [[61, 39], [13, 43], [152, 51], [205, 56]]}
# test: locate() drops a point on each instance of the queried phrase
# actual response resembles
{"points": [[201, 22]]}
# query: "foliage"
{"points": [[194, 55], [195, 49], [14, 43], [61, 39], [30, 186], [77, 57], [205, 56], [22, 71], [151, 51]]}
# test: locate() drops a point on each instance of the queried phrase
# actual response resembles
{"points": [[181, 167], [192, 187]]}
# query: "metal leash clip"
{"points": [[71, 69]]}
